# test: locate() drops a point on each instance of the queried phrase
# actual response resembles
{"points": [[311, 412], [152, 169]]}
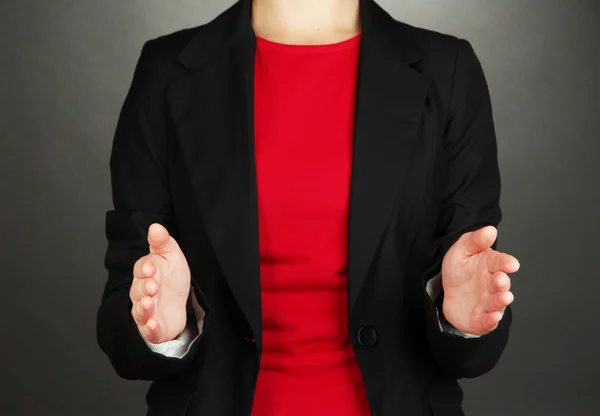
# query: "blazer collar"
{"points": [[212, 107]]}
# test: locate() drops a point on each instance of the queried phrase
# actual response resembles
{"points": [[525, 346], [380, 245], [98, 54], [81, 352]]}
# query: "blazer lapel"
{"points": [[212, 106], [390, 101]]}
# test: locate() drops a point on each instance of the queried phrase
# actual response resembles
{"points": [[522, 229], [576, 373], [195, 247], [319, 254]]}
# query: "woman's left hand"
{"points": [[475, 281]]}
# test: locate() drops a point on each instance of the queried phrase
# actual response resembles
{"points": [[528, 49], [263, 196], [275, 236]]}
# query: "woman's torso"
{"points": [[304, 123]]}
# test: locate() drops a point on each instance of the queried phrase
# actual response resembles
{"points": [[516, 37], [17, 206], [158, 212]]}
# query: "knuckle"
{"points": [[139, 264], [145, 332], [134, 290], [134, 312], [149, 334], [141, 260], [153, 260]]}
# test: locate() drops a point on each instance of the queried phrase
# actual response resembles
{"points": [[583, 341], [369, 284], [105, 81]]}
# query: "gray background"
{"points": [[65, 67]]}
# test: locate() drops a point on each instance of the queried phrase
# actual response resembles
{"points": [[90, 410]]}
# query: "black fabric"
{"points": [[424, 172]]}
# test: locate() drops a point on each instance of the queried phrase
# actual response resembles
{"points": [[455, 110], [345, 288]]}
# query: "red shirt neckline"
{"points": [[321, 47]]}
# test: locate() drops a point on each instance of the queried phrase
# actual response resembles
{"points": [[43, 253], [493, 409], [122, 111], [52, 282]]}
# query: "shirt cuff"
{"points": [[434, 289], [176, 348]]}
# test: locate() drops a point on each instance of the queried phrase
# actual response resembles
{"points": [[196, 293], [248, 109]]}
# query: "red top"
{"points": [[304, 123]]}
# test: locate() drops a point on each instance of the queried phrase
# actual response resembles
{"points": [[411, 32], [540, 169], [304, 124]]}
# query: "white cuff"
{"points": [[178, 347]]}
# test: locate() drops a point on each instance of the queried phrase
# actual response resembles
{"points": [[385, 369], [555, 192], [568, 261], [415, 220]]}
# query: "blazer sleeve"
{"points": [[470, 201], [141, 196]]}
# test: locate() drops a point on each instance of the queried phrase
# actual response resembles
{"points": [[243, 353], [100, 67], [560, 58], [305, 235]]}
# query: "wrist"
{"points": [[193, 306], [440, 303]]}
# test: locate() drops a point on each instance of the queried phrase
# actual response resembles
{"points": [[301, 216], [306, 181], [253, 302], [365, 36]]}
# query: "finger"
{"points": [[499, 301], [479, 240], [151, 331], [143, 287], [144, 268], [502, 262], [160, 241], [486, 322], [492, 320], [142, 310], [499, 282]]}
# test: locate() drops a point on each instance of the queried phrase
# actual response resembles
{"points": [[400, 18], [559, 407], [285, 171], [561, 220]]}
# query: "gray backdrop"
{"points": [[65, 67]]}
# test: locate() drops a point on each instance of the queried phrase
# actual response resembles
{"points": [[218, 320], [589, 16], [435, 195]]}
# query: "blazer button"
{"points": [[367, 336]]}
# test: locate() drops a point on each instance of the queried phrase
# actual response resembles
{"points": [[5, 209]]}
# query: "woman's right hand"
{"points": [[160, 288]]}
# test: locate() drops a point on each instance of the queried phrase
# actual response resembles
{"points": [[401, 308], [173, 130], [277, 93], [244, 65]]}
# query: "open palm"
{"points": [[476, 283], [160, 288]]}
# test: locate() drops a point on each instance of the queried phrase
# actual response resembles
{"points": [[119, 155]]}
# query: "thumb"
{"points": [[479, 240], [159, 239]]}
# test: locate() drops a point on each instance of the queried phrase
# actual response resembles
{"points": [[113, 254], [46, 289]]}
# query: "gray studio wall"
{"points": [[65, 67]]}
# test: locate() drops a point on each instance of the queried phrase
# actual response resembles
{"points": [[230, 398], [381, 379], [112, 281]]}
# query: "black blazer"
{"points": [[424, 172]]}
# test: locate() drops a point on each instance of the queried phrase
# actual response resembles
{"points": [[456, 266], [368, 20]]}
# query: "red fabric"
{"points": [[304, 122]]}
